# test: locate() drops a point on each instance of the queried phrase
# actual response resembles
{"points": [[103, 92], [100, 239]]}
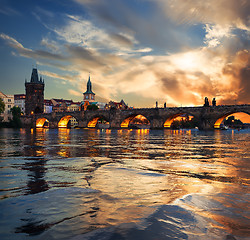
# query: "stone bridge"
{"points": [[209, 117]]}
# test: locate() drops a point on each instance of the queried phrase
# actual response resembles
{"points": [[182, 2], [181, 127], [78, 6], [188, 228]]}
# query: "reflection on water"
{"points": [[121, 184]]}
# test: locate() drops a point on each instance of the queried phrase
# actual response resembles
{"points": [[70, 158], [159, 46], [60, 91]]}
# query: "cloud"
{"points": [[238, 74], [9, 11], [50, 44], [148, 53], [224, 12], [83, 32], [215, 33], [74, 93], [150, 29], [68, 77], [84, 58], [36, 54], [121, 39]]}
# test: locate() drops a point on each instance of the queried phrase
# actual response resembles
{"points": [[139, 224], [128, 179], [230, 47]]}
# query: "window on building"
{"points": [[9, 106], [9, 100]]}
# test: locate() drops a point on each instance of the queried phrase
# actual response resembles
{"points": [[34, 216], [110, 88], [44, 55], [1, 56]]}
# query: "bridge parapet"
{"points": [[157, 116]]}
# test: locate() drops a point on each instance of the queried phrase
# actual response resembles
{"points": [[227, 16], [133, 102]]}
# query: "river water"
{"points": [[124, 184]]}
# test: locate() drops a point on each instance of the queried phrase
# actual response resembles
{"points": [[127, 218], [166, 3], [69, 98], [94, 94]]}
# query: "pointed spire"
{"points": [[89, 86], [34, 76]]}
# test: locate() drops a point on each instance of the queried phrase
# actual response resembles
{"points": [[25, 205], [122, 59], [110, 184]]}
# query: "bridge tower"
{"points": [[34, 100]]}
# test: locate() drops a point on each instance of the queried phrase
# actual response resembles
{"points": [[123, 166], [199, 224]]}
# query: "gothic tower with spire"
{"points": [[89, 95], [34, 100]]}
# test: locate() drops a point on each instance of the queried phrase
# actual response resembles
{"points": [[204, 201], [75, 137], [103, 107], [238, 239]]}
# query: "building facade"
{"points": [[20, 102], [34, 101], [116, 105], [9, 103], [74, 107], [48, 106], [61, 105]]}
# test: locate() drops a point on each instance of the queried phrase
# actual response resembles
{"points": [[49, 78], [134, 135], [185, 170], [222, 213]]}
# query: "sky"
{"points": [[141, 51]]}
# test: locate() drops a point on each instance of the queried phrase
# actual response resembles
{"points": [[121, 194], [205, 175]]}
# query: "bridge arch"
{"points": [[66, 120], [42, 122], [219, 120], [99, 121], [172, 118], [136, 119]]}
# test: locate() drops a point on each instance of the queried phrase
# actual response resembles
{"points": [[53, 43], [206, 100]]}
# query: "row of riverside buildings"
{"points": [[33, 101]]}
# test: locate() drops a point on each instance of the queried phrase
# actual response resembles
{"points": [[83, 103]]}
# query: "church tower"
{"points": [[89, 95], [34, 100]]}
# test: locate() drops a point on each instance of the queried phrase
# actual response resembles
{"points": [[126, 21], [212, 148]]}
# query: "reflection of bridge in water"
{"points": [[208, 117]]}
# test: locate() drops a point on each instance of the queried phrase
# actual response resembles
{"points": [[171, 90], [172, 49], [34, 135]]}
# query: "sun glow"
{"points": [[126, 122], [64, 121], [187, 60], [40, 122], [139, 119], [245, 118], [170, 120], [93, 122]]}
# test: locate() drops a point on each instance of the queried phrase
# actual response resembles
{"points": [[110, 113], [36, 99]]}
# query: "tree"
{"points": [[2, 105], [92, 107], [185, 123], [16, 113]]}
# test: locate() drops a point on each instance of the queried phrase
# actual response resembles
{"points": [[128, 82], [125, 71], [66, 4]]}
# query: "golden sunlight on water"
{"points": [[93, 179]]}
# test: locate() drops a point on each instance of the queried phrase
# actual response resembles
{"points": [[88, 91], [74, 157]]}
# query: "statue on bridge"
{"points": [[206, 104], [214, 102]]}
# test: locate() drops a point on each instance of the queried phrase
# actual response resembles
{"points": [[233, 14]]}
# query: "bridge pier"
{"points": [[28, 122], [115, 119], [207, 118], [156, 123], [53, 124], [82, 124], [206, 124]]}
